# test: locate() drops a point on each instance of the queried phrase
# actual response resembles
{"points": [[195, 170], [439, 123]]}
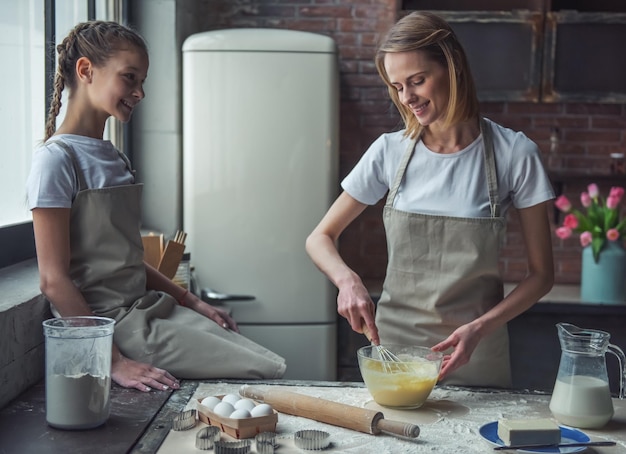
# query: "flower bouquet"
{"points": [[600, 223]]}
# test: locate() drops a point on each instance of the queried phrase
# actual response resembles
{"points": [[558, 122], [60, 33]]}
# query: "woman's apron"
{"points": [[107, 266], [443, 273]]}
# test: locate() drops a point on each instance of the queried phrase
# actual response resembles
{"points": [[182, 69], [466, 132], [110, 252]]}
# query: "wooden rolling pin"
{"points": [[337, 414]]}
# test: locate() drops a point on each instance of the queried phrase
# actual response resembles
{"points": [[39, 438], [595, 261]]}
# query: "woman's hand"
{"points": [[356, 306], [144, 377], [464, 341]]}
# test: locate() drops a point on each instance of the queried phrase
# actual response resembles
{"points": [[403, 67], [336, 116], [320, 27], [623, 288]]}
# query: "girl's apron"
{"points": [[442, 273], [107, 266]]}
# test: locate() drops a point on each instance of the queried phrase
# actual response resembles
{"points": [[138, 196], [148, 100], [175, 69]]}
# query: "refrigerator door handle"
{"points": [[211, 296]]}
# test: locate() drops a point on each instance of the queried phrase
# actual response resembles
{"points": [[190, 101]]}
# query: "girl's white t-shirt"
{"points": [[52, 180], [452, 184]]}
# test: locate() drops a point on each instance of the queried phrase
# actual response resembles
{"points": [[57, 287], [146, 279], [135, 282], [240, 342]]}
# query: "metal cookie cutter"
{"points": [[206, 437], [265, 442], [184, 420], [311, 440], [232, 447]]}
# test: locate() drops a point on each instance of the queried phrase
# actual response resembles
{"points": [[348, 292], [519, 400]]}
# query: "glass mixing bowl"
{"points": [[400, 385]]}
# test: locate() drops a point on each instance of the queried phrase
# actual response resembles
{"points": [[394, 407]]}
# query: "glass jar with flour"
{"points": [[78, 371]]}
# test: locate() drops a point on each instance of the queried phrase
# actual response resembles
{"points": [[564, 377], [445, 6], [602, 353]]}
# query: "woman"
{"points": [[450, 176]]}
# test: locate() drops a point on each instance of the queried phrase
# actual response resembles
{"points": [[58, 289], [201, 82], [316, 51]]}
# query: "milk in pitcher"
{"points": [[582, 401]]}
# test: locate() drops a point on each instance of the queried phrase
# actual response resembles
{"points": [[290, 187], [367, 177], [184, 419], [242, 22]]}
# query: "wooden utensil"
{"points": [[151, 249], [337, 414], [172, 255]]}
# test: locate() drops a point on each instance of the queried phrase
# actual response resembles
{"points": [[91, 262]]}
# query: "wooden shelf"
{"points": [[528, 50]]}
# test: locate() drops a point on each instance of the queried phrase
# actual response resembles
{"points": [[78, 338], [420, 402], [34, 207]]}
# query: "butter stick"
{"points": [[528, 431]]}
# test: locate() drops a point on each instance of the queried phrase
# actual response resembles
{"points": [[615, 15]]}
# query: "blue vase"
{"points": [[605, 281]]}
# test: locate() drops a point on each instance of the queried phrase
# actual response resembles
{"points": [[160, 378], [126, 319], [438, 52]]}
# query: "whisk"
{"points": [[391, 363]]}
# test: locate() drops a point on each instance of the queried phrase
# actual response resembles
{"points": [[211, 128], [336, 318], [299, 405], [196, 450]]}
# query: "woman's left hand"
{"points": [[463, 341]]}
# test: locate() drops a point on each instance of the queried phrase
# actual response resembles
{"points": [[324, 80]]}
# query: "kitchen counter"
{"points": [[140, 422], [569, 295], [449, 421]]}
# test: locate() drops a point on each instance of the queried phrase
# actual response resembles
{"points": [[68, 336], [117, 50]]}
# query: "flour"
{"points": [[77, 402]]}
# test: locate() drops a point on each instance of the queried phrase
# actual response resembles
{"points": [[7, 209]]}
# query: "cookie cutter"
{"points": [[311, 440], [233, 447], [184, 420], [206, 437], [265, 442]]}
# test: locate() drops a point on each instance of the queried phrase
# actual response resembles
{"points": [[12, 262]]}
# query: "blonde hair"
{"points": [[96, 40], [429, 33]]}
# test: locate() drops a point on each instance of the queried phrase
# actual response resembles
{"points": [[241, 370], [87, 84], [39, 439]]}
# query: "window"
{"points": [[27, 28], [21, 111]]}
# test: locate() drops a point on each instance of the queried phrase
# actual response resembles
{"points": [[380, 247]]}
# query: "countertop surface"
{"points": [[450, 420], [140, 423], [559, 293]]}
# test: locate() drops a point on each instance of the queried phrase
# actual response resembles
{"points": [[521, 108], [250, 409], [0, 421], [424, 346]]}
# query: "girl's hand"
{"points": [[217, 314], [144, 377]]}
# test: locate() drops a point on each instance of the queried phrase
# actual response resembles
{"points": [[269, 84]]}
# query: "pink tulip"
{"points": [[563, 232], [563, 204], [570, 221], [585, 199], [594, 192], [612, 202], [585, 239], [617, 192], [612, 235]]}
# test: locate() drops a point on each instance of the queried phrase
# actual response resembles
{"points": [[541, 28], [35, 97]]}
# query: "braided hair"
{"points": [[96, 40]]}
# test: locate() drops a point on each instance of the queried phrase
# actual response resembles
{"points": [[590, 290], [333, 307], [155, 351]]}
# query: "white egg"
{"points": [[223, 409], [245, 404], [231, 398], [210, 402], [240, 414], [261, 410]]}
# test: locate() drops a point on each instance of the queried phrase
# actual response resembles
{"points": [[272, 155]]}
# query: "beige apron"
{"points": [[442, 273], [107, 266]]}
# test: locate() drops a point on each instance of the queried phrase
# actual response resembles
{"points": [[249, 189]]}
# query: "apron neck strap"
{"points": [[78, 173], [401, 171], [490, 168]]}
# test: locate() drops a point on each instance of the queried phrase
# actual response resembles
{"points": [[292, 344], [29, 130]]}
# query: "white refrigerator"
{"points": [[260, 159]]}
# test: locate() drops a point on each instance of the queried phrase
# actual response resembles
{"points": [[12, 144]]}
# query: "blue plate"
{"points": [[489, 432]]}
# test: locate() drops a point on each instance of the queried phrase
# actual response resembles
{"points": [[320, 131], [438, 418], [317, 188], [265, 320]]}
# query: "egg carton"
{"points": [[238, 428]]}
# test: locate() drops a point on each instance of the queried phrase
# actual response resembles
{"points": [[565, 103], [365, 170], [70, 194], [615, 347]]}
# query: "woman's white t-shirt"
{"points": [[52, 180], [452, 184]]}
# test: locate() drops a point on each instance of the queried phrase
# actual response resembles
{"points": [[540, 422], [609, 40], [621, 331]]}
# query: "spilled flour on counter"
{"points": [[449, 421]]}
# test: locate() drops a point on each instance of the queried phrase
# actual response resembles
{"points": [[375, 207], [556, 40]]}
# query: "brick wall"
{"points": [[588, 133]]}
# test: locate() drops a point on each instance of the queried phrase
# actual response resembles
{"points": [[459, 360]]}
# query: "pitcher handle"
{"points": [[622, 361]]}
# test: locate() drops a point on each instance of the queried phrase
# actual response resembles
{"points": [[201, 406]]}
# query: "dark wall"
{"points": [[588, 132]]}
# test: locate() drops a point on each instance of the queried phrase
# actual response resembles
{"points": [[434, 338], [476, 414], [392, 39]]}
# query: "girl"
{"points": [[450, 176], [86, 218]]}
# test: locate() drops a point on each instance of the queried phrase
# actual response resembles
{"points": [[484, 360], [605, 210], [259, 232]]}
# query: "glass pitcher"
{"points": [[78, 371], [581, 396]]}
